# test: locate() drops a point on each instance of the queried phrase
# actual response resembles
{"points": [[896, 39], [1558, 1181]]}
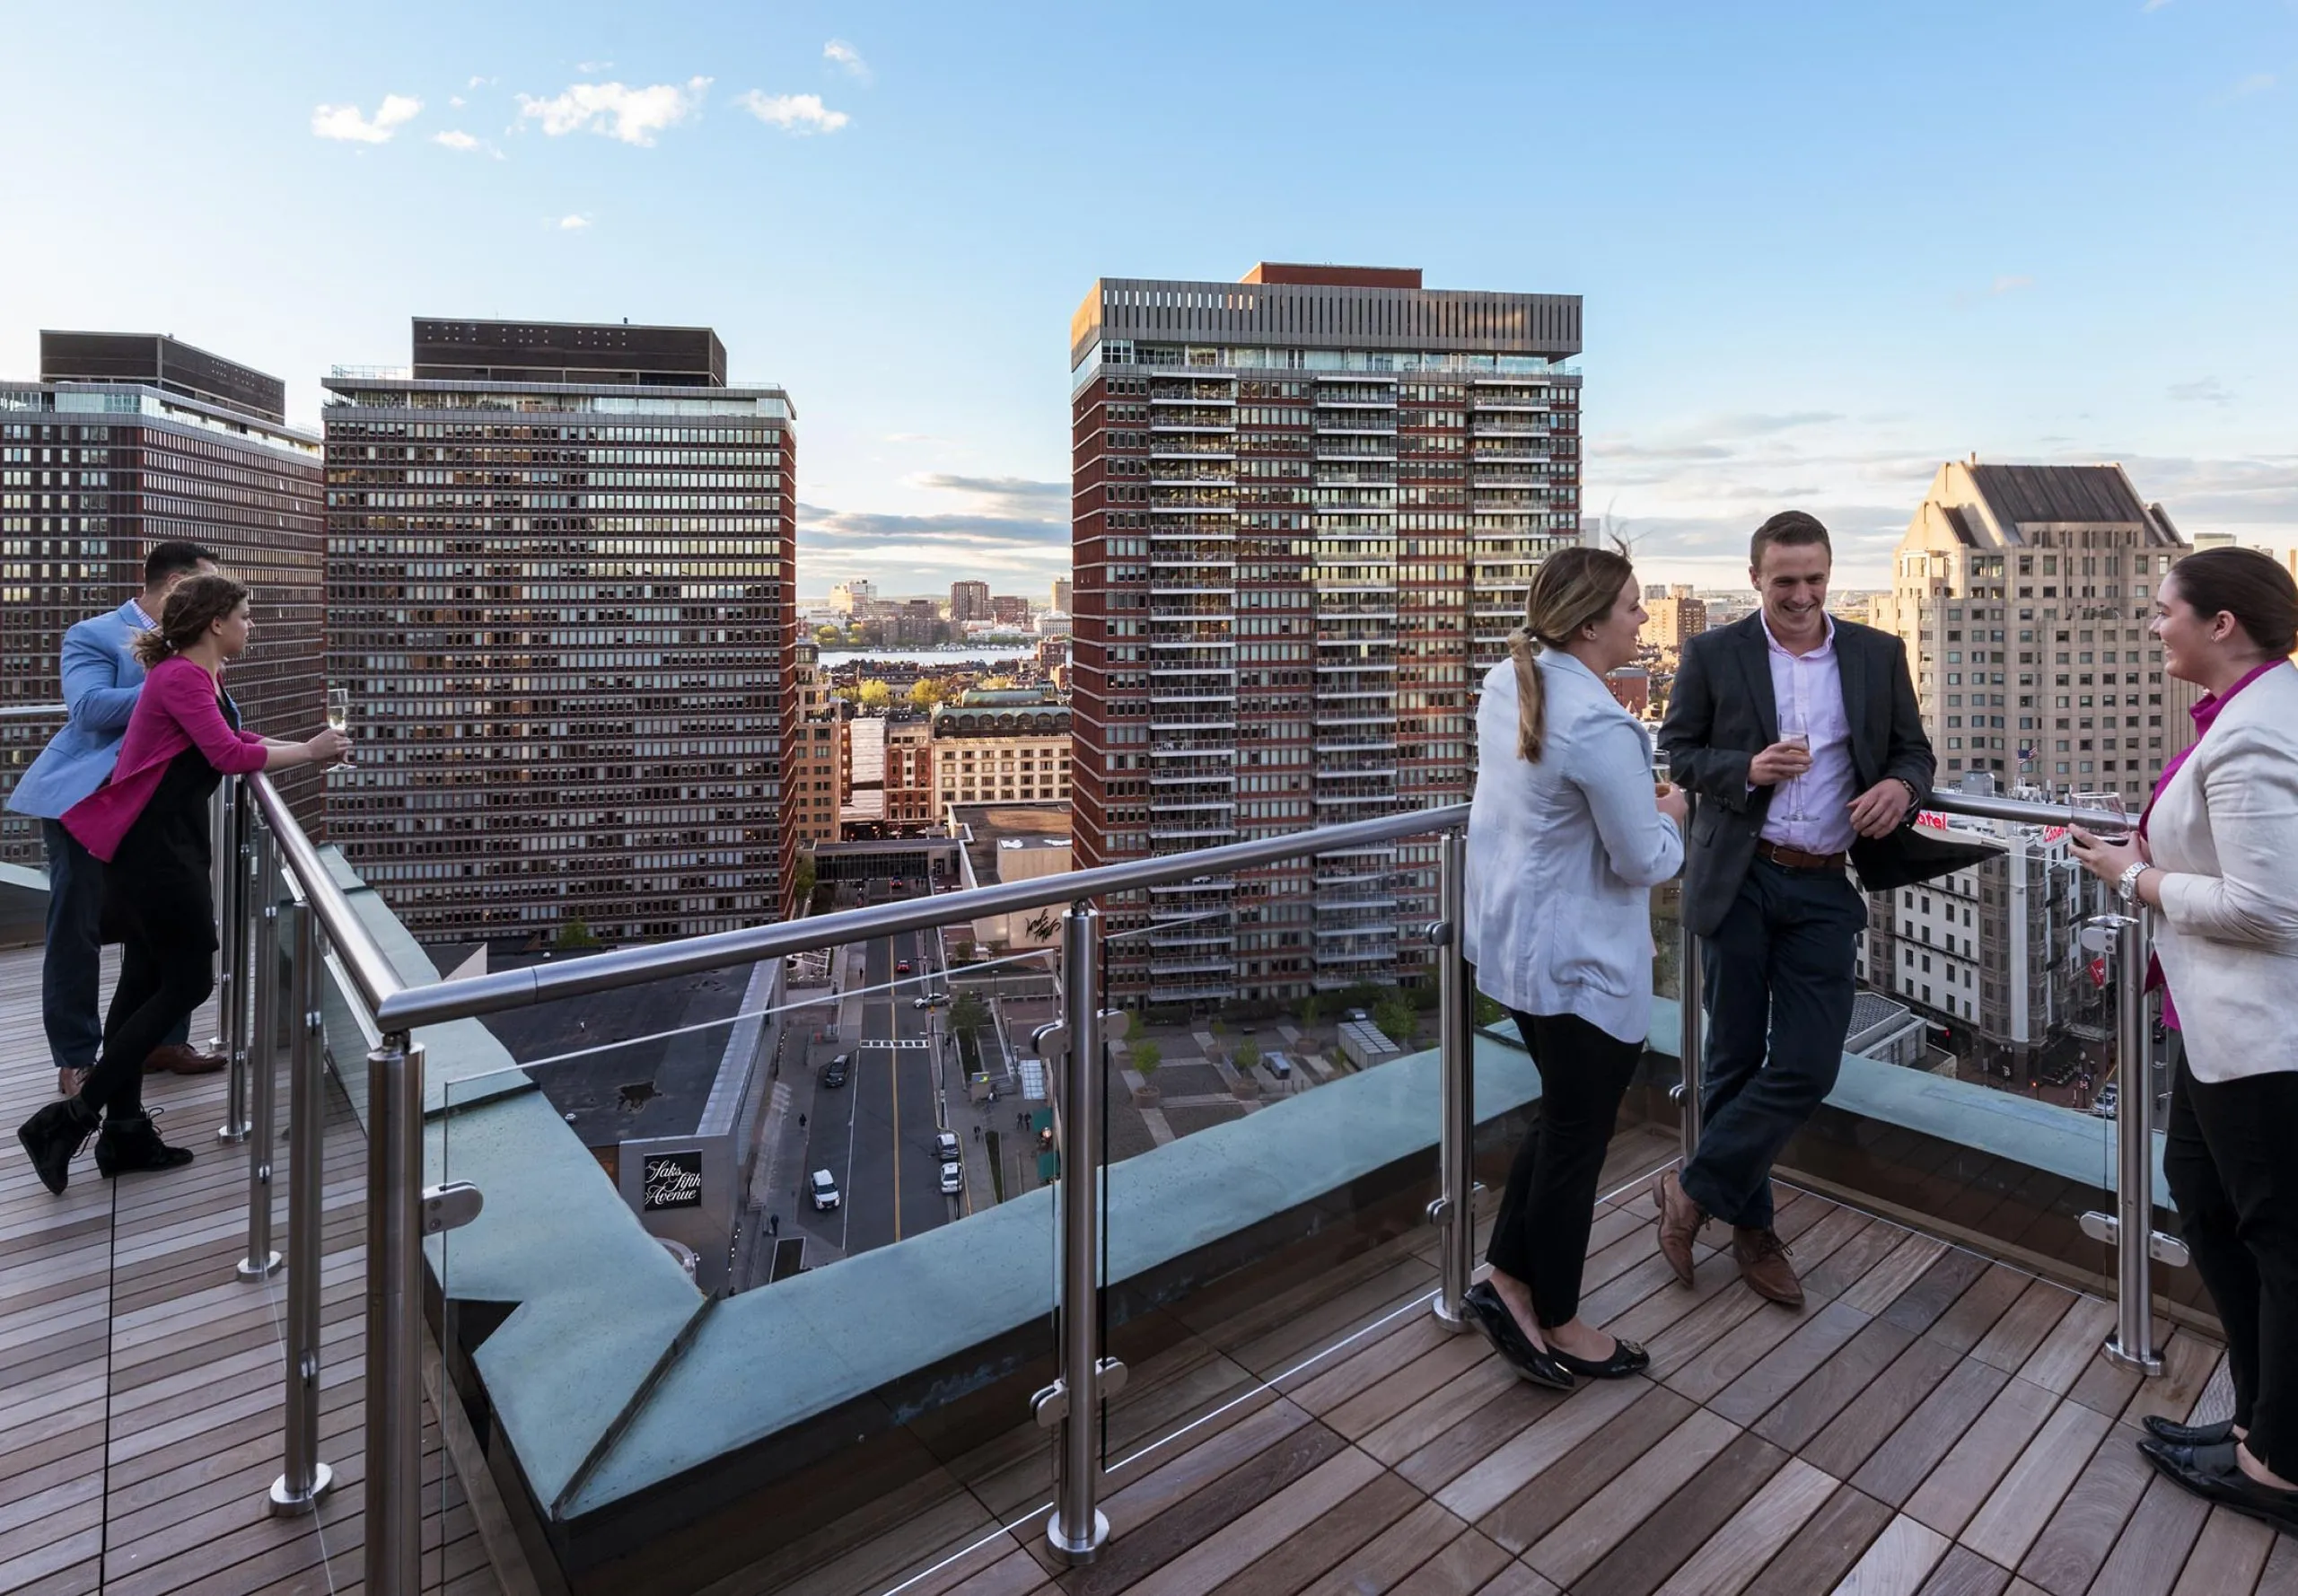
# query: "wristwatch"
{"points": [[1914, 798], [2127, 884]]}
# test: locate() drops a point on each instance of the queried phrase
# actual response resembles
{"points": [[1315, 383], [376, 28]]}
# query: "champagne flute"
{"points": [[339, 713], [2118, 830]]}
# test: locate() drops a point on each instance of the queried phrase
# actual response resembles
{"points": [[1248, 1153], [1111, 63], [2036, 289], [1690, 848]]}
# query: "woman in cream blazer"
{"points": [[2218, 859], [1566, 838]]}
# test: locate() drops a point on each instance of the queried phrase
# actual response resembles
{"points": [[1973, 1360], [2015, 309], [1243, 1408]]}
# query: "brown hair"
{"points": [[1792, 528], [2246, 584], [197, 604], [1574, 588]]}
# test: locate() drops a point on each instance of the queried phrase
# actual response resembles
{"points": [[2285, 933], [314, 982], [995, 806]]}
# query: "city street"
{"points": [[876, 1133]]}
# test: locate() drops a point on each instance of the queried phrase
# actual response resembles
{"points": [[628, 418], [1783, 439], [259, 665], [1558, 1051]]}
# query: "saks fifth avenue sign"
{"points": [[671, 1181]]}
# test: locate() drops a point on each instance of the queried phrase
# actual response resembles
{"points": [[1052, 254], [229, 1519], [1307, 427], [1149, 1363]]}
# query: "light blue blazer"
{"points": [[101, 679], [1563, 854]]}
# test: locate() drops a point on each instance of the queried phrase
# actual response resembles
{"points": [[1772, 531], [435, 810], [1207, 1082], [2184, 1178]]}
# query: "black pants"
{"points": [[160, 982], [1542, 1234], [2227, 1153], [1778, 985]]}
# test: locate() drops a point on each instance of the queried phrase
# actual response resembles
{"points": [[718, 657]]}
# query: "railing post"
{"points": [[2132, 1345], [1453, 1213], [1690, 1037], [232, 959], [394, 1537], [1077, 1529], [262, 972], [306, 1479]]}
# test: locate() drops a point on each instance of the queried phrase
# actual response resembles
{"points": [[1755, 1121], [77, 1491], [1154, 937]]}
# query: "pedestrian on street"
{"points": [[801, 1122]]}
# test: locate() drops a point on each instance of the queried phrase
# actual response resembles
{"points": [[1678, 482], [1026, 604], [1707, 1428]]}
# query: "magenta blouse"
{"points": [[175, 711]]}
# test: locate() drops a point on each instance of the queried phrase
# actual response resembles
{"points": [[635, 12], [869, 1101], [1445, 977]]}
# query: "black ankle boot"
{"points": [[54, 1138], [131, 1145]]}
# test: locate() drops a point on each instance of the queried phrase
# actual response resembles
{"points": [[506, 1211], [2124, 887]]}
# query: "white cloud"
{"points": [[633, 115], [793, 113], [2205, 391], [592, 68], [479, 83], [344, 122], [573, 224], [455, 100], [844, 54], [2009, 283], [2258, 82], [2154, 4], [455, 139]]}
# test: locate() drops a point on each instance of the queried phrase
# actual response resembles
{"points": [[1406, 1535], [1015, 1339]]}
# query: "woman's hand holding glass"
{"points": [[1671, 801]]}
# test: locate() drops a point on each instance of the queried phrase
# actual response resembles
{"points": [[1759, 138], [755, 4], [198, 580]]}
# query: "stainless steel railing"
{"points": [[280, 896]]}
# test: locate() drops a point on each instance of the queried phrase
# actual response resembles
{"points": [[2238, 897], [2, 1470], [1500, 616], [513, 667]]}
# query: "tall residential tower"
{"points": [[1306, 509], [560, 585]]}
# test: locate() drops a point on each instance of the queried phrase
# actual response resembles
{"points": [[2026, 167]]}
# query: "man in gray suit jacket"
{"points": [[102, 680], [1801, 740]]}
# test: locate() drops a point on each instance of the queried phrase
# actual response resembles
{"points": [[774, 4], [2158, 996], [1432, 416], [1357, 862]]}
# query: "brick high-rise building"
{"points": [[128, 440], [1009, 609], [817, 760], [1307, 506], [969, 600], [1062, 596], [560, 583], [2022, 594], [1674, 620]]}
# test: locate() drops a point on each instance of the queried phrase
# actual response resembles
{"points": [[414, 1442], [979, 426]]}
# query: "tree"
{"points": [[574, 935], [827, 636], [1246, 1055], [968, 1012], [993, 684], [1312, 1010], [1396, 1020], [874, 695], [926, 693], [801, 879], [1146, 1056]]}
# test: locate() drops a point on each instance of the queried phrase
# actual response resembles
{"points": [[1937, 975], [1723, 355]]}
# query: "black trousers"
{"points": [[1778, 979], [160, 982], [2227, 1155], [1542, 1234]]}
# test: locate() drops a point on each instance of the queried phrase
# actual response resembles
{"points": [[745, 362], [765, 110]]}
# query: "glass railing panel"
{"points": [[1271, 1118]]}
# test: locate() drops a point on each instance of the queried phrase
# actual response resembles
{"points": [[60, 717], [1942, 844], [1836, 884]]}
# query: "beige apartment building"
{"points": [[1003, 746], [1673, 619], [818, 759], [2022, 594]]}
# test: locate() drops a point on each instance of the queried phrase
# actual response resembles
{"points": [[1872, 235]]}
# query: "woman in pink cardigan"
{"points": [[149, 825]]}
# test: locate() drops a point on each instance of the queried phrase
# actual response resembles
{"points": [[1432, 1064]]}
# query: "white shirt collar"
{"points": [[1771, 639]]}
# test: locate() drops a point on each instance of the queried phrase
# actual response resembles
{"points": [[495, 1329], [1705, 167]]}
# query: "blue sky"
{"points": [[1822, 247]]}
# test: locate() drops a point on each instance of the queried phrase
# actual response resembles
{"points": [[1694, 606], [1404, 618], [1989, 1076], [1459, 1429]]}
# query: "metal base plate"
{"points": [[247, 1270], [1454, 1323], [2149, 1362], [285, 1505], [230, 1136], [1077, 1552]]}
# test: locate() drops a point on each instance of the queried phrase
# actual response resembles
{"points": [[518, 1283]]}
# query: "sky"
{"points": [[1822, 248]]}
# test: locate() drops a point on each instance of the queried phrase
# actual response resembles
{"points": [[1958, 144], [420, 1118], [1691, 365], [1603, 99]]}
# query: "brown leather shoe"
{"points": [[1762, 1258], [1679, 1222], [181, 1058]]}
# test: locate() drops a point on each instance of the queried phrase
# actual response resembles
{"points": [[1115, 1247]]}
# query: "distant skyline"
{"points": [[1822, 248]]}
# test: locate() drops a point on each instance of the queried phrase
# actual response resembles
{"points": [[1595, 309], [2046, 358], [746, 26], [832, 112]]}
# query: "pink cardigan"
{"points": [[175, 711]]}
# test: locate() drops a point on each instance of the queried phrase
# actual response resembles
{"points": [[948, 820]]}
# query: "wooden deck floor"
{"points": [[141, 1383], [1930, 1424]]}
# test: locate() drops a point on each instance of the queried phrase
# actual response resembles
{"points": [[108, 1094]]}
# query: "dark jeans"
{"points": [[1540, 1236], [69, 975], [161, 982], [2226, 1152], [1777, 980]]}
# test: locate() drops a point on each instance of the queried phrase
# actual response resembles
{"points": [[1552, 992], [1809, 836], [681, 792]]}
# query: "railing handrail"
{"points": [[363, 956], [29, 712], [499, 990], [398, 1006]]}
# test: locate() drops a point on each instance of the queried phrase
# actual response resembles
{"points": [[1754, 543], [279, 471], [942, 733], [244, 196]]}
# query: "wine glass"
{"points": [[2114, 830], [339, 713]]}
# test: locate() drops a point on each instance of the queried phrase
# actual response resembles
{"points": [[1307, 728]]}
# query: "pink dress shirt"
{"points": [[175, 711], [1812, 813], [2203, 715]]}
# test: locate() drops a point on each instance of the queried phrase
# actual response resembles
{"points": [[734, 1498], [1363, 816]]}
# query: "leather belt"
{"points": [[1789, 858]]}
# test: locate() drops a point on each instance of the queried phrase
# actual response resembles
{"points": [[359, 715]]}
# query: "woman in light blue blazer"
{"points": [[1568, 835]]}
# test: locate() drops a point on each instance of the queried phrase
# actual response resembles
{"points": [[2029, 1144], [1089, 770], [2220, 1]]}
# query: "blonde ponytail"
{"points": [[1532, 696]]}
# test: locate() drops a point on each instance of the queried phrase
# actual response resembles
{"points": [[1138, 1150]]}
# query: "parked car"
{"points": [[1280, 1066], [946, 1146], [952, 1180], [902, 968], [1357, 1014], [823, 1188], [833, 1072]]}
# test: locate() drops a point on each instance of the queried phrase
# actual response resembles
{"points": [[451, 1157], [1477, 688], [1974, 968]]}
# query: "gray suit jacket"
{"points": [[1722, 714]]}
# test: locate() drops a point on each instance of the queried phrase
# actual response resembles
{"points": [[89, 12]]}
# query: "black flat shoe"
{"points": [[1627, 1358], [1489, 1314], [2210, 1473], [2162, 1429]]}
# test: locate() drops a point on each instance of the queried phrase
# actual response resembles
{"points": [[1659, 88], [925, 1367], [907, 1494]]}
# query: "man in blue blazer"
{"points": [[102, 680]]}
